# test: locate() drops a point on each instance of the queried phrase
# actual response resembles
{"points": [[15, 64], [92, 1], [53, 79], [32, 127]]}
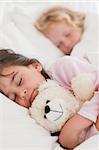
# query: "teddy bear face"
{"points": [[53, 107], [54, 110], [57, 112]]}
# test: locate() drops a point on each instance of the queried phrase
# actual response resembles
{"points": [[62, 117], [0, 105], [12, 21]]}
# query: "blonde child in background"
{"points": [[68, 28], [20, 78]]}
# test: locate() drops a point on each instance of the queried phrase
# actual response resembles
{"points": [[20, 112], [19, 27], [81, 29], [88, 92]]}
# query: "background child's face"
{"points": [[21, 83], [63, 36]]}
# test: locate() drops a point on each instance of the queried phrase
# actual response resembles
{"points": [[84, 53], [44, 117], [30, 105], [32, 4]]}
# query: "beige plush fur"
{"points": [[54, 105]]}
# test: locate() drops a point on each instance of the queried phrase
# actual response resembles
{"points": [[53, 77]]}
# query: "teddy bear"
{"points": [[54, 105]]}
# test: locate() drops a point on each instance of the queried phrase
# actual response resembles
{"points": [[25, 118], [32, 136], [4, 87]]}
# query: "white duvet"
{"points": [[17, 130]]}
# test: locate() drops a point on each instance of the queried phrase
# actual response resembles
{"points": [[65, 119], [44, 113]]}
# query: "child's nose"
{"points": [[23, 94]]}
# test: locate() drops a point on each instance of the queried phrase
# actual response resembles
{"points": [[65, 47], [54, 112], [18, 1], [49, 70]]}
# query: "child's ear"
{"points": [[37, 66]]}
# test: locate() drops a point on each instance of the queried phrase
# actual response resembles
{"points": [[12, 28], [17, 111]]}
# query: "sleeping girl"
{"points": [[73, 32], [20, 78]]}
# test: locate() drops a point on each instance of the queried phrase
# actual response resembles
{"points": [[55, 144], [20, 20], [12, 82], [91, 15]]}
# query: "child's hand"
{"points": [[97, 123]]}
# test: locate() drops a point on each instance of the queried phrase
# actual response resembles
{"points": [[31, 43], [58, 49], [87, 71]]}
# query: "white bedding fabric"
{"points": [[17, 130]]}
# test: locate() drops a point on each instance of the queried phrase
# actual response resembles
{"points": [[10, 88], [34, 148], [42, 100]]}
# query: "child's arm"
{"points": [[69, 136], [97, 123]]}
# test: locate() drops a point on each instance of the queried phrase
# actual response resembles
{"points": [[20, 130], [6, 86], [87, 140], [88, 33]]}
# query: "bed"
{"points": [[17, 130]]}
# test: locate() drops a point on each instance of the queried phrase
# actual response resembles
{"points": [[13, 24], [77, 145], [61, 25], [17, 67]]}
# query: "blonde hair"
{"points": [[56, 14]]}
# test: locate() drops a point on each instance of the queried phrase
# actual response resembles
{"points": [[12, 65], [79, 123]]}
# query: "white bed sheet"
{"points": [[17, 130]]}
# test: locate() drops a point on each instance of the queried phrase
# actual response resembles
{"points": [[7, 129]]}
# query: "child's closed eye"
{"points": [[20, 82]]}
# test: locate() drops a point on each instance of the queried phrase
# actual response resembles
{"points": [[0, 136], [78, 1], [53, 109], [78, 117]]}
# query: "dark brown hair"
{"points": [[9, 58]]}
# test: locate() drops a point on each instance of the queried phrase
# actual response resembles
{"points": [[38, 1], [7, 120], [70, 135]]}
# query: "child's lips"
{"points": [[33, 95]]}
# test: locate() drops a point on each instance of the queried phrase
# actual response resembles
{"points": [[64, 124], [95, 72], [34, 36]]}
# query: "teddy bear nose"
{"points": [[47, 109]]}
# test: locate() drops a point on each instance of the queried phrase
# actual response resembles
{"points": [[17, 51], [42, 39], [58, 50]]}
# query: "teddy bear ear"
{"points": [[47, 101]]}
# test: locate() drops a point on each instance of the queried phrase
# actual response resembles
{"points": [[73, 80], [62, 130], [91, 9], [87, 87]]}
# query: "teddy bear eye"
{"points": [[47, 101], [45, 116]]}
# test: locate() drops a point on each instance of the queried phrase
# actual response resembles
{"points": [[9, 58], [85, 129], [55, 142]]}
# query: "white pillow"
{"points": [[90, 144], [45, 50], [18, 130], [89, 44], [24, 38]]}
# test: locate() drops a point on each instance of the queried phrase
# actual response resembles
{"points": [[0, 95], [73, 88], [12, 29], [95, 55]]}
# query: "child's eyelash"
{"points": [[20, 82]]}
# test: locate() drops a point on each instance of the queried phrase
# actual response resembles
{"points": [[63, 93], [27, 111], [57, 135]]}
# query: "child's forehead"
{"points": [[61, 23], [10, 68]]}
